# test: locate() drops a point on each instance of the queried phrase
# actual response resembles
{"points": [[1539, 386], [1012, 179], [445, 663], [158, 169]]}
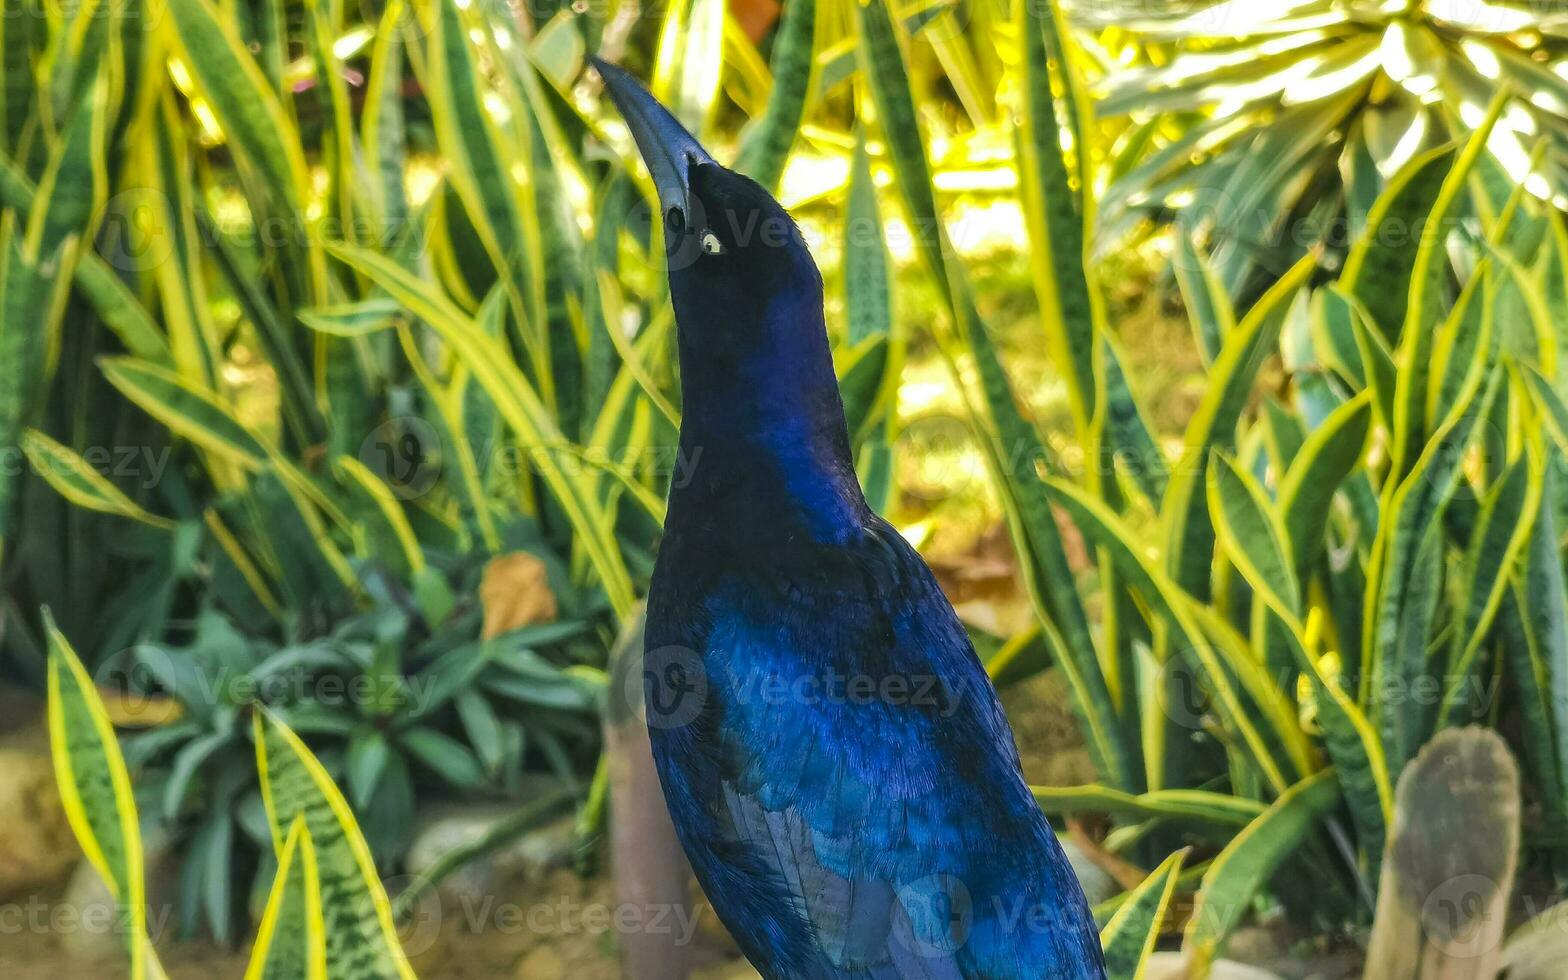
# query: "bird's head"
{"points": [[746, 292], [762, 420]]}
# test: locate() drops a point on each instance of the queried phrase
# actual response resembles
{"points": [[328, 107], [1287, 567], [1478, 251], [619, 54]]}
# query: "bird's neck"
{"points": [[764, 443]]}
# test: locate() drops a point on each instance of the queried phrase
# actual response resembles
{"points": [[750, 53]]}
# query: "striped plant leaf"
{"points": [[74, 478], [1381, 264], [1402, 581], [1329, 455], [359, 936], [766, 144], [1070, 305], [868, 305], [1254, 536], [244, 102], [1175, 610], [1202, 291], [32, 299], [95, 790], [186, 409], [1193, 806], [357, 475], [1248, 861], [689, 62], [1189, 534], [1129, 937], [291, 941], [75, 184], [518, 404], [1497, 543], [1423, 314]]}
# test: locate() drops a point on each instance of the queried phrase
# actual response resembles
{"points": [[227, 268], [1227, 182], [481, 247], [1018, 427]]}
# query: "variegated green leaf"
{"points": [[360, 938]]}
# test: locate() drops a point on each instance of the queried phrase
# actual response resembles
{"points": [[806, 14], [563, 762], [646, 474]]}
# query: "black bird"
{"points": [[837, 765]]}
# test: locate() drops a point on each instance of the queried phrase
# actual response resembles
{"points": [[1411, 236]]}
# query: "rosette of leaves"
{"points": [[1269, 126], [404, 703]]}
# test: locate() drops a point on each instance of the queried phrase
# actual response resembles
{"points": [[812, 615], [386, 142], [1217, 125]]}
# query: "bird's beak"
{"points": [[666, 146]]}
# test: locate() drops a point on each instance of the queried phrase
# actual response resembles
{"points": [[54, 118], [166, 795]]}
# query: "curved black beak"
{"points": [[666, 146]]}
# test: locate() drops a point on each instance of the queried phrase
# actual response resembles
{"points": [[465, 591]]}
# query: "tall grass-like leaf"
{"points": [[187, 410], [245, 104], [1402, 581], [1379, 269], [28, 302], [1188, 806], [1541, 660], [448, 401], [518, 404], [868, 304], [765, 146], [291, 939], [1253, 536], [481, 161], [1128, 939], [1070, 305], [95, 790], [1190, 535], [1330, 453], [690, 60], [1247, 863], [386, 504], [114, 303], [1169, 605], [1500, 537], [74, 478], [1203, 292], [360, 938], [1013, 446], [1423, 314], [74, 185]]}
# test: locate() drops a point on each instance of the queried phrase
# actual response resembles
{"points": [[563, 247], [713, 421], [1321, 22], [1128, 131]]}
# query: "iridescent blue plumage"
{"points": [[833, 755]]}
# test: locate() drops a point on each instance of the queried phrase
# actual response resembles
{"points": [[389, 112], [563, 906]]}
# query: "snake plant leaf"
{"points": [[95, 791], [186, 409], [766, 144], [244, 102], [381, 498], [1402, 584], [1380, 266], [76, 480], [1174, 610], [1423, 314], [1189, 533], [360, 938], [1188, 806], [74, 185], [1499, 539], [1129, 938], [291, 937], [1248, 861], [1202, 291], [690, 59], [517, 402], [1070, 305], [1330, 453], [1254, 537], [32, 302]]}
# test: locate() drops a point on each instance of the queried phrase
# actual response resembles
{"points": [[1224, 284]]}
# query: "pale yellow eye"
{"points": [[711, 244]]}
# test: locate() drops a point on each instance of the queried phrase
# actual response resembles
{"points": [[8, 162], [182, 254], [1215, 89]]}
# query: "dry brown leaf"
{"points": [[515, 592]]}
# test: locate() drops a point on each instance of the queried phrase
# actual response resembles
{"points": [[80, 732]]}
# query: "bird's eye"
{"points": [[711, 244]]}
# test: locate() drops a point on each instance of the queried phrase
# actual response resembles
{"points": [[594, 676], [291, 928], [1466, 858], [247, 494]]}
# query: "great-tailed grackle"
{"points": [[833, 755]]}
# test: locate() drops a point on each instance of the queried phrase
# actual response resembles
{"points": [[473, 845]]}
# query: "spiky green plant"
{"points": [[1267, 127], [1353, 543]]}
